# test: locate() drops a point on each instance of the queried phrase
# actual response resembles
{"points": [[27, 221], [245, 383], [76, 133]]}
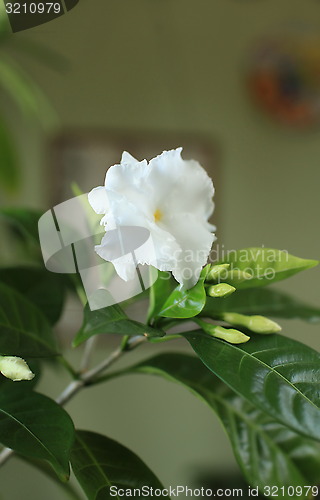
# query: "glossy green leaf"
{"points": [[276, 374], [266, 266], [111, 319], [184, 303], [24, 330], [159, 292], [99, 463], [9, 171], [267, 452], [265, 301], [44, 289], [35, 426]]}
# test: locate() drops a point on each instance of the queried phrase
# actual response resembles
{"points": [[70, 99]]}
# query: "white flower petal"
{"points": [[171, 198], [98, 199], [195, 241], [127, 182], [161, 250], [125, 268], [183, 186], [126, 176], [123, 212], [128, 158]]}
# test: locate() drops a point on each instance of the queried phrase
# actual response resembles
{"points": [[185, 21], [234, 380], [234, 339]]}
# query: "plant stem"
{"points": [[89, 375], [68, 367], [89, 345], [158, 340], [88, 348], [79, 288], [74, 387]]}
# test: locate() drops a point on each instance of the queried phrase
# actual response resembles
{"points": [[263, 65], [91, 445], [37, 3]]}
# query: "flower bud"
{"points": [[260, 324], [256, 324], [15, 368], [237, 275], [220, 290], [216, 271], [229, 334]]}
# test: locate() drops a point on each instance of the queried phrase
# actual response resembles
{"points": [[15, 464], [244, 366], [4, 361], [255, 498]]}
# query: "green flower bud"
{"points": [[15, 368], [237, 275], [260, 324], [216, 271], [256, 324], [229, 334], [220, 290]]}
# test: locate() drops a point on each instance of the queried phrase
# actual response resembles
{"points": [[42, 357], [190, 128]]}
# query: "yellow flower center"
{"points": [[157, 215]]}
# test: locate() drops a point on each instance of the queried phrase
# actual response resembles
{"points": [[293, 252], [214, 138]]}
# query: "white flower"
{"points": [[172, 199], [15, 368]]}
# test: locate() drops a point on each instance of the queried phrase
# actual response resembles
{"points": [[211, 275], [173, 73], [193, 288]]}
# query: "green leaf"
{"points": [[35, 426], [159, 292], [68, 490], [24, 222], [9, 171], [266, 265], [24, 92], [5, 30], [111, 319], [100, 463], [184, 303], [24, 330], [267, 452], [44, 289], [265, 301], [276, 374]]}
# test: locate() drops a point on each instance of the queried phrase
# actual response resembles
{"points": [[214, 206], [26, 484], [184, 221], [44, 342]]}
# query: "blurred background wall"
{"points": [[178, 66]]}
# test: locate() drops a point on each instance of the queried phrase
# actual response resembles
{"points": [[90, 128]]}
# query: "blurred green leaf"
{"points": [[111, 319], [9, 165], [278, 375], [265, 301], [24, 92], [266, 266], [100, 463], [24, 222], [42, 54], [183, 303], [5, 30], [44, 289], [24, 330], [267, 452], [35, 426]]}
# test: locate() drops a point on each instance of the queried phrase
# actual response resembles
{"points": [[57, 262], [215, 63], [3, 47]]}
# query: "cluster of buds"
{"points": [[217, 288], [219, 275]]}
